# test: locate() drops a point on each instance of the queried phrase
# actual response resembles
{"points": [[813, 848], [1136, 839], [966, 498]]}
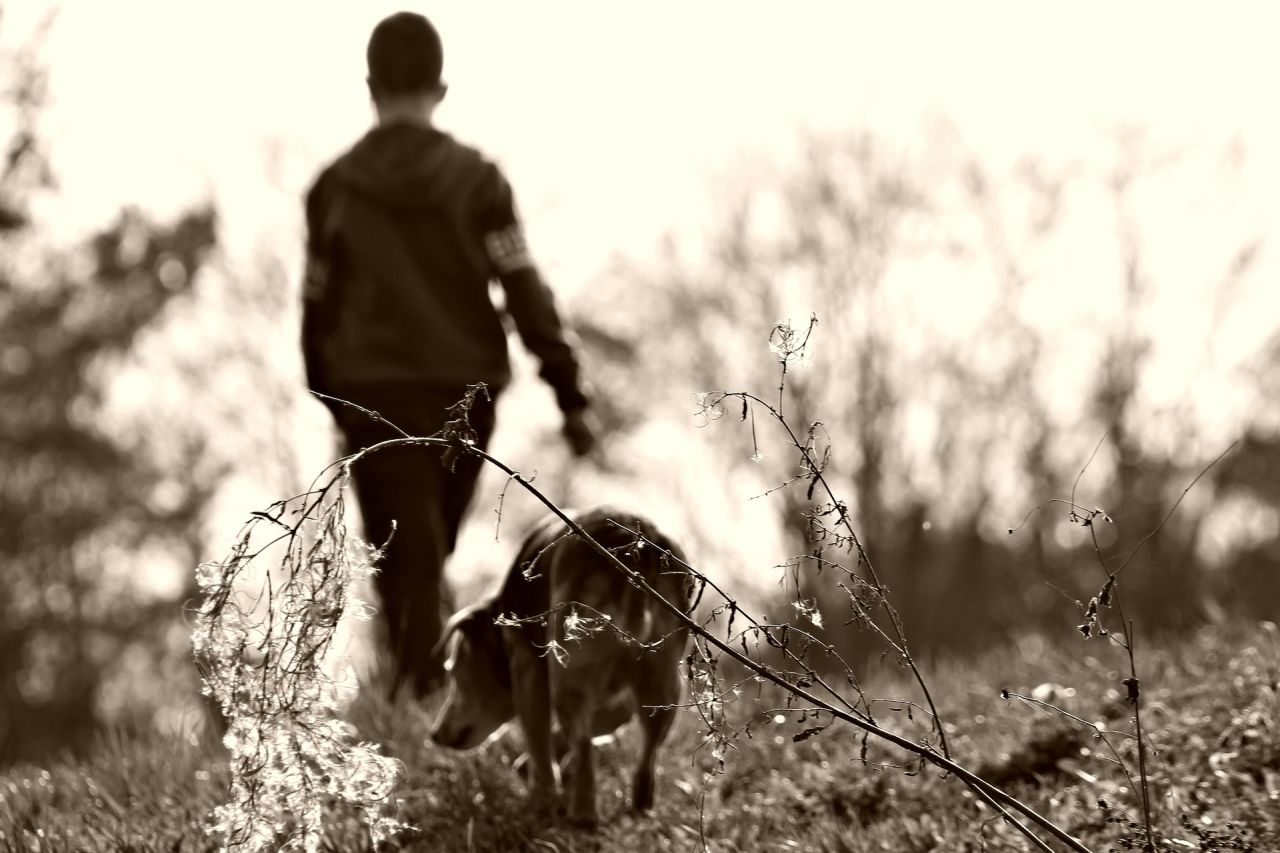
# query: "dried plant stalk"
{"points": [[264, 639]]}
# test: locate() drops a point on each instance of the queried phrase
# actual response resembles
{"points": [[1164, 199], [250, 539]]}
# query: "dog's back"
{"points": [[559, 573]]}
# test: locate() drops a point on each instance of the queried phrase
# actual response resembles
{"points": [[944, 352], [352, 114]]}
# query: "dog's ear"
{"points": [[455, 622]]}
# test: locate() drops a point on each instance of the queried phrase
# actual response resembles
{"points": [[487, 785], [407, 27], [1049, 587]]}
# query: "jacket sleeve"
{"points": [[529, 300], [319, 284]]}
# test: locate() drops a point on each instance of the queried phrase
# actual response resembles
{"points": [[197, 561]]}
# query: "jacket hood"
{"points": [[410, 166]]}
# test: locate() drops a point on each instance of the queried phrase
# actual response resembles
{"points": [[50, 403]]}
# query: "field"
{"points": [[1210, 707]]}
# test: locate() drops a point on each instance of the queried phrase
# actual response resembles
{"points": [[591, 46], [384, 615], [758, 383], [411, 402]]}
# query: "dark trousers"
{"points": [[410, 487]]}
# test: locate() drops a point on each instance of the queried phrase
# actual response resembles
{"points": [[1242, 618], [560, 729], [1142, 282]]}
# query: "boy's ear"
{"points": [[442, 89]]}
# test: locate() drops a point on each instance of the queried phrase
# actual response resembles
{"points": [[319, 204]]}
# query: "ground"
{"points": [[1210, 705]]}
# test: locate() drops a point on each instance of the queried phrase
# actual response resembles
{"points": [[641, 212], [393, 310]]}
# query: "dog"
{"points": [[572, 649]]}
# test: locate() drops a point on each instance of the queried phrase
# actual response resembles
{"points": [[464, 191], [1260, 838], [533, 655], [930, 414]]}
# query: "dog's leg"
{"points": [[658, 690], [576, 703], [580, 776], [531, 692], [607, 720], [654, 725]]}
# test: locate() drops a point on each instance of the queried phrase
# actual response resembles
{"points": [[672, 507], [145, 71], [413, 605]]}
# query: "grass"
{"points": [[1211, 704]]}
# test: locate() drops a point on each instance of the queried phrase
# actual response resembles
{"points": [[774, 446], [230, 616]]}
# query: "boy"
{"points": [[404, 234]]}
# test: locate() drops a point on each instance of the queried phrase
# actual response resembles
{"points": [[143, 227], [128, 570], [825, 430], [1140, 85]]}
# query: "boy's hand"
{"points": [[580, 430]]}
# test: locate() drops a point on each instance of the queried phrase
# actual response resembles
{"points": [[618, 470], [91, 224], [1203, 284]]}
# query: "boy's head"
{"points": [[405, 60]]}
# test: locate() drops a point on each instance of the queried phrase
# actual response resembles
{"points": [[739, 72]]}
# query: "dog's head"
{"points": [[479, 700]]}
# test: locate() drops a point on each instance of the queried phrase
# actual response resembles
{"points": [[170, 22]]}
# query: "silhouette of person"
{"points": [[406, 231]]}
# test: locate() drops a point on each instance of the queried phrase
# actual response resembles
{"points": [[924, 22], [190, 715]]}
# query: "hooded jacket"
{"points": [[405, 233]]}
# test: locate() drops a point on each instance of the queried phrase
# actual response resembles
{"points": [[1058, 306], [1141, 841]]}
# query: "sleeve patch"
{"points": [[507, 249]]}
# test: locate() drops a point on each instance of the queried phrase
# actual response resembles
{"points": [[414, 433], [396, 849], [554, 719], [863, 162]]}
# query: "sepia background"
{"points": [[1024, 238]]}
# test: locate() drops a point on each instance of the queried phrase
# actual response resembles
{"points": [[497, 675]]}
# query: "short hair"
{"points": [[405, 55]]}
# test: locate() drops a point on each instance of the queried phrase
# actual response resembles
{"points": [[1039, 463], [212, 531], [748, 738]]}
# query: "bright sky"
{"points": [[618, 123], [614, 119]]}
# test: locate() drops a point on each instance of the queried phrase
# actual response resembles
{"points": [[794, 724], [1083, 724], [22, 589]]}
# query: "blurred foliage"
{"points": [[85, 513], [952, 406], [80, 509]]}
